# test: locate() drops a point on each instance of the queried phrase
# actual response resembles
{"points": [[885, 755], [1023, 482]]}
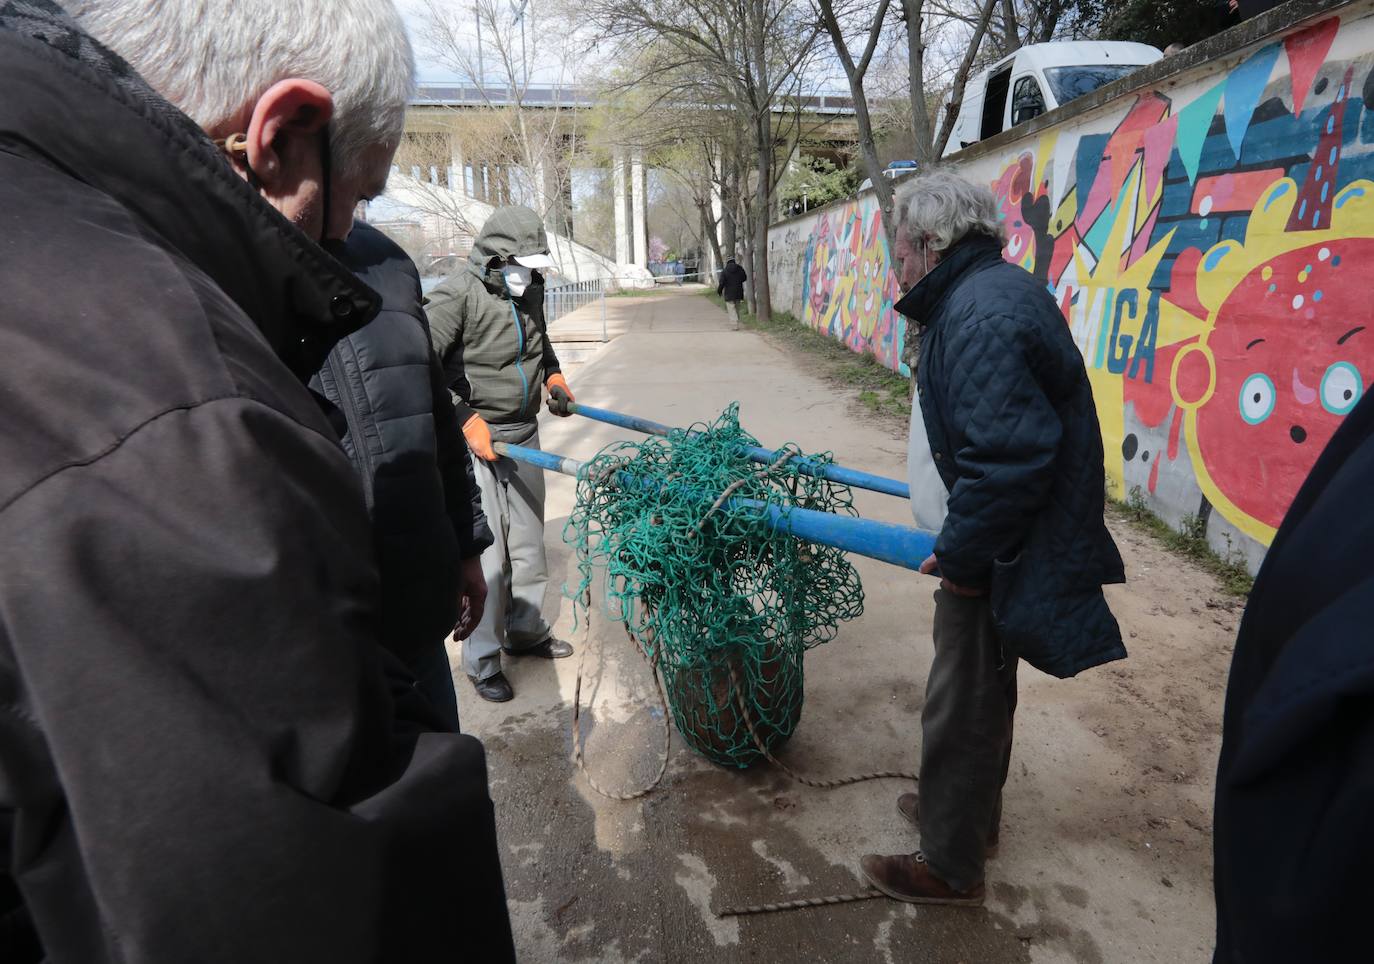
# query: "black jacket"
{"points": [[388, 401], [205, 754], [1294, 837], [732, 280], [1014, 433]]}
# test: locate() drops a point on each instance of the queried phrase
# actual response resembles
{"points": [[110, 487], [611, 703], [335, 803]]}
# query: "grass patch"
{"points": [[641, 292], [880, 390], [1188, 540]]}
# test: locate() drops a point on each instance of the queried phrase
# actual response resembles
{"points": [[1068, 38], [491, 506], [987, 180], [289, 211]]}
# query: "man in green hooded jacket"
{"points": [[487, 320]]}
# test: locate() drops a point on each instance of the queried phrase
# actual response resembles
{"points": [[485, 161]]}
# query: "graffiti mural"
{"points": [[848, 286], [1205, 247]]}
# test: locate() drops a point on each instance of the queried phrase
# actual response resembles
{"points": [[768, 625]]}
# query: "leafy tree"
{"points": [[815, 181], [1155, 22]]}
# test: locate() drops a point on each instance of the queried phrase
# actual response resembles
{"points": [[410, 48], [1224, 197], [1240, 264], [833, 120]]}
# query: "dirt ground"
{"points": [[1106, 840]]}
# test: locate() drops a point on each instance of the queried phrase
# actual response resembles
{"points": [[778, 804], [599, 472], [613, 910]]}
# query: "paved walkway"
{"points": [[1106, 844], [659, 311]]}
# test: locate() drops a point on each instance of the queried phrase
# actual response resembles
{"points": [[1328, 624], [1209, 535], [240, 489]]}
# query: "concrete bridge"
{"points": [[493, 177]]}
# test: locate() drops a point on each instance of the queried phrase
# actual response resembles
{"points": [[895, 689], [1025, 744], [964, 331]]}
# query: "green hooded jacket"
{"points": [[495, 349]]}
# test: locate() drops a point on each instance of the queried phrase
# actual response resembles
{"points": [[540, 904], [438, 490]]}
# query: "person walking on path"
{"points": [[389, 404], [1005, 431], [207, 750], [731, 288], [487, 320]]}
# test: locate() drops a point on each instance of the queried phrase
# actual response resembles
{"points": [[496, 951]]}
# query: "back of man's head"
{"points": [[213, 59], [940, 209]]}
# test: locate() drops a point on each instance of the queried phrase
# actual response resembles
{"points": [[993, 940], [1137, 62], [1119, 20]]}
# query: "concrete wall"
{"points": [[1209, 237]]}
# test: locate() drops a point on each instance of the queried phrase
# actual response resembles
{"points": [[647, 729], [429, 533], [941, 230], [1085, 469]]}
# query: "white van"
{"points": [[1039, 78]]}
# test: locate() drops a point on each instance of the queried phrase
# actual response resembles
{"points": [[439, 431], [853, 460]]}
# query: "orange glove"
{"points": [[478, 434], [559, 394]]}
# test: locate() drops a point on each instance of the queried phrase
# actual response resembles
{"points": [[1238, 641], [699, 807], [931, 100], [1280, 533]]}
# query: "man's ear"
{"points": [[288, 112]]}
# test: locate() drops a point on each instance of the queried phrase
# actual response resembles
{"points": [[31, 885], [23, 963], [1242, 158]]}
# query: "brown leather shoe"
{"points": [[908, 805], [909, 878]]}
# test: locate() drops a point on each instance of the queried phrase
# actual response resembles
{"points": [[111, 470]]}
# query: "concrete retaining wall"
{"points": [[1207, 228]]}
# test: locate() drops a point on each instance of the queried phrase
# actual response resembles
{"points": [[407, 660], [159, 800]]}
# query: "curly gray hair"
{"points": [[943, 208]]}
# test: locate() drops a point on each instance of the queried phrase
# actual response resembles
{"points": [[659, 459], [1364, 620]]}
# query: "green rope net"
{"points": [[713, 596]]}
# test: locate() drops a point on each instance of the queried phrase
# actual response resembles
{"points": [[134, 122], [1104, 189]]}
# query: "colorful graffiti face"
{"points": [[1289, 352]]}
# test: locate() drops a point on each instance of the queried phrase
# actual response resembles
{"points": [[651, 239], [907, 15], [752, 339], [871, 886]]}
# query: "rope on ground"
{"points": [[809, 781], [799, 904], [579, 752]]}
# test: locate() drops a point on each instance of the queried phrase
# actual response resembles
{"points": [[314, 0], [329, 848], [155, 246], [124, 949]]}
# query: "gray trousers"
{"points": [[732, 309], [515, 567], [966, 728]]}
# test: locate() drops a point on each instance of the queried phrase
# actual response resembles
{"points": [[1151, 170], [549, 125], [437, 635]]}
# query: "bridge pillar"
{"points": [[639, 204], [457, 168], [718, 217], [620, 204]]}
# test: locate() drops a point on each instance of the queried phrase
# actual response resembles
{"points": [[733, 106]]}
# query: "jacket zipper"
{"points": [[520, 358]]}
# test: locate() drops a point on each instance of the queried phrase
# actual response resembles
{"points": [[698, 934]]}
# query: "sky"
{"points": [[430, 69], [545, 69]]}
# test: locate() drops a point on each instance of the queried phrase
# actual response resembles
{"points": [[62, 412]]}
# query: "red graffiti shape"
{"points": [[1291, 359]]}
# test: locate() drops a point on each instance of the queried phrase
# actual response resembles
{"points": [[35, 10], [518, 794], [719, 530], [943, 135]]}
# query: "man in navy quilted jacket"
{"points": [[1006, 465]]}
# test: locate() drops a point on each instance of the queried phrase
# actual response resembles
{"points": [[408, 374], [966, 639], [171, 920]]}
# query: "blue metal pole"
{"points": [[835, 473], [904, 546]]}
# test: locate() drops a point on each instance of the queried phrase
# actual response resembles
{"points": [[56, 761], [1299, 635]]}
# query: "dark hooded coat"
{"points": [[206, 753]]}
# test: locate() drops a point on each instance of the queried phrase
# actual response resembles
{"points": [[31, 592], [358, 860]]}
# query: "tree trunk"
{"points": [[708, 230], [745, 222], [729, 206], [956, 92], [1048, 21], [1011, 37], [763, 302], [882, 187], [916, 71]]}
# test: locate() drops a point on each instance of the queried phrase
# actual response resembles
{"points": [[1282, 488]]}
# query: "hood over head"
{"points": [[511, 232]]}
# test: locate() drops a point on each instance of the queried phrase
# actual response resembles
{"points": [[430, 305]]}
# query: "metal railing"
{"points": [[561, 300], [566, 298], [582, 96]]}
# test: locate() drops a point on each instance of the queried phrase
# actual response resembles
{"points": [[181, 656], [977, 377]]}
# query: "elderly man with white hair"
{"points": [[207, 751], [1006, 464]]}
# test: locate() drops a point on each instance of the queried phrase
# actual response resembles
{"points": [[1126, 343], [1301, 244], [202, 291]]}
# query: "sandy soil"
{"points": [[1106, 843]]}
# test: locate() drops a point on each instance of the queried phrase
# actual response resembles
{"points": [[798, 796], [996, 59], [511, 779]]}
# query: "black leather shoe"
{"points": [[549, 649], [494, 689]]}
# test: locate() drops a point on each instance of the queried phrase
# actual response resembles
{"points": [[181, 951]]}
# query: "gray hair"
{"points": [[944, 208], [213, 58]]}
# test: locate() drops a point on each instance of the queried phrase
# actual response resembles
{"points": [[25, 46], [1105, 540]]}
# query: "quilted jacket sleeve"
{"points": [[1007, 435]]}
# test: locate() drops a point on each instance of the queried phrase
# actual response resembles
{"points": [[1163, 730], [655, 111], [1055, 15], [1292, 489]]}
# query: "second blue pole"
{"points": [[823, 470], [904, 546]]}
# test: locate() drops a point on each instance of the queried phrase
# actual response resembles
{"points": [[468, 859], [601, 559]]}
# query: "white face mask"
{"points": [[518, 278]]}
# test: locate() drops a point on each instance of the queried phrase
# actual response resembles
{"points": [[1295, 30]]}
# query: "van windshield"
{"points": [[1069, 82]]}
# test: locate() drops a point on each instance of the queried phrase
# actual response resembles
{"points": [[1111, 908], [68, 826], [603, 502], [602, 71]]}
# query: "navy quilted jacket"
{"points": [[1014, 434], [394, 416]]}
